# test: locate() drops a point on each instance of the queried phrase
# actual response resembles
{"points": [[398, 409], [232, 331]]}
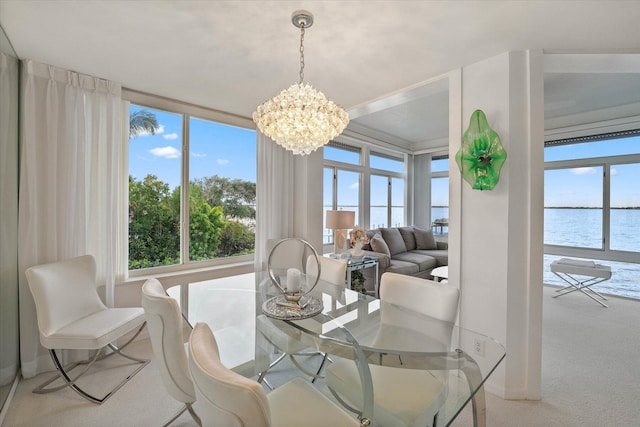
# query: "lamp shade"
{"points": [[340, 220]]}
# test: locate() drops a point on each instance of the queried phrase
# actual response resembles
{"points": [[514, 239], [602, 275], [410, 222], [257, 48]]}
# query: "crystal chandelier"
{"points": [[300, 118]]}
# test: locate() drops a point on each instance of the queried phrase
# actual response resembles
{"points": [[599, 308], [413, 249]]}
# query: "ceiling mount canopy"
{"points": [[300, 118]]}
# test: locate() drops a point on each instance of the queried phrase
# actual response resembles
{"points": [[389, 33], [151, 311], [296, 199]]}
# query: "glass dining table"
{"points": [[350, 325]]}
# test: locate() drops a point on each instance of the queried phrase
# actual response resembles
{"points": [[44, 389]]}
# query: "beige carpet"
{"points": [[590, 378]]}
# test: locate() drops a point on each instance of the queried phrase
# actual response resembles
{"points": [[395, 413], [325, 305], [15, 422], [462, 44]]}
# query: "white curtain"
{"points": [[9, 217], [72, 184], [274, 196]]}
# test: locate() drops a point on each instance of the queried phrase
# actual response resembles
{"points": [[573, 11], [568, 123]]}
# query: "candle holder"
{"points": [[297, 304]]}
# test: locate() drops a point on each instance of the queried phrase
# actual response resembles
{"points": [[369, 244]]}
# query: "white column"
{"points": [[500, 240]]}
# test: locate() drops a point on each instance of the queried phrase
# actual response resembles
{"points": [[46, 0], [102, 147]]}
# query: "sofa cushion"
{"points": [[440, 255], [424, 239], [379, 245], [409, 238], [394, 240], [424, 262], [402, 267]]}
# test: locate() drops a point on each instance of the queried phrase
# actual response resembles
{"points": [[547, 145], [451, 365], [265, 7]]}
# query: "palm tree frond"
{"points": [[142, 121]]}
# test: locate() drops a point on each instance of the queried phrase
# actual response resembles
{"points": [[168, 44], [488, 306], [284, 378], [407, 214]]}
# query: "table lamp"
{"points": [[340, 222]]}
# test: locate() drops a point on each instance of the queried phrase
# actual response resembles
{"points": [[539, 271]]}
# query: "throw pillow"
{"points": [[424, 239], [370, 234], [409, 238], [379, 245], [394, 240]]}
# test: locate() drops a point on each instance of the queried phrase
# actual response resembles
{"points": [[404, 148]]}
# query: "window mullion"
{"points": [[335, 189], [390, 201], [184, 193], [606, 206]]}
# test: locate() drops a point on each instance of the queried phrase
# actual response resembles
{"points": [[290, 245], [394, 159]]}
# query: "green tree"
{"points": [[142, 121], [205, 224], [236, 239], [154, 237], [237, 197], [154, 221]]}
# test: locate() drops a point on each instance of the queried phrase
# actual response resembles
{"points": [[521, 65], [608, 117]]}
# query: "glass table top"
{"points": [[351, 325]]}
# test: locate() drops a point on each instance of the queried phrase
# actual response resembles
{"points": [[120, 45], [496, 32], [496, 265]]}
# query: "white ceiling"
{"points": [[369, 56]]}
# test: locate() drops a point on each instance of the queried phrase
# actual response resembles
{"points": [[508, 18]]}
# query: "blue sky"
{"points": [[215, 149], [583, 186]]}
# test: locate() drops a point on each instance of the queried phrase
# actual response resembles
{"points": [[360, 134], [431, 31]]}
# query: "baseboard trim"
{"points": [[503, 394]]}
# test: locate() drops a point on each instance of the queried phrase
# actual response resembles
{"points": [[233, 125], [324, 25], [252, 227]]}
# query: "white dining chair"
{"points": [[165, 325], [71, 316], [331, 270], [227, 399], [402, 397]]}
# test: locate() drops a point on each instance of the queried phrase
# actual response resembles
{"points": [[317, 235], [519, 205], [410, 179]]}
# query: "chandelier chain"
{"points": [[301, 53]]}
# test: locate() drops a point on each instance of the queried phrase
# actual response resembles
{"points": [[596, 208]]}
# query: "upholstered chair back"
{"points": [[437, 300], [331, 270], [225, 398], [164, 323], [63, 292]]}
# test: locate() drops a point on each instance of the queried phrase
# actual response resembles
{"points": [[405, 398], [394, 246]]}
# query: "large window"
{"points": [[192, 188], [372, 184], [440, 193], [341, 183], [380, 205], [592, 208], [573, 206], [387, 191]]}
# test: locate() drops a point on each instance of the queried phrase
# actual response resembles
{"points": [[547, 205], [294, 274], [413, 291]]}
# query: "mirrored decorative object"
{"points": [[295, 301], [481, 155]]}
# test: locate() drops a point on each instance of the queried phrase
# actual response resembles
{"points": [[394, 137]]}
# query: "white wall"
{"points": [[501, 230]]}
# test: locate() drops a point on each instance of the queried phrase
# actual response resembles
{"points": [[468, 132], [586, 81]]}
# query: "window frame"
{"points": [[605, 252], [365, 172], [434, 175], [186, 111]]}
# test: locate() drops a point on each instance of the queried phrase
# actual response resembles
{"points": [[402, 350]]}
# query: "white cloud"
{"points": [[199, 154], [354, 186], [614, 171], [222, 161], [583, 171], [159, 130], [167, 152], [170, 136]]}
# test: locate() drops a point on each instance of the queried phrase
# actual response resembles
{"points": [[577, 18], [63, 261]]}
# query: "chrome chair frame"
{"points": [[64, 372]]}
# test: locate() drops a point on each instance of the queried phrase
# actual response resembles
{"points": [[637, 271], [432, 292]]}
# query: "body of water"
{"points": [[583, 228]]}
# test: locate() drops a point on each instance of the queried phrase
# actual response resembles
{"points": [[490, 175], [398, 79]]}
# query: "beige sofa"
{"points": [[405, 250]]}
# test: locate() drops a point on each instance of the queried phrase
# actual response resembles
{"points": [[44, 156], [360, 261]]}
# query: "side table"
{"points": [[441, 274], [359, 263]]}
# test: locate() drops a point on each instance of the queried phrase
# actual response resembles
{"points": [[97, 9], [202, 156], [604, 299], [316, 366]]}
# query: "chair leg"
{"points": [[175, 417], [195, 416], [187, 407], [274, 363], [63, 372]]}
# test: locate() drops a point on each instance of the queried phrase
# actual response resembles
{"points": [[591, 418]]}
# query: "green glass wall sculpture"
{"points": [[481, 156]]}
